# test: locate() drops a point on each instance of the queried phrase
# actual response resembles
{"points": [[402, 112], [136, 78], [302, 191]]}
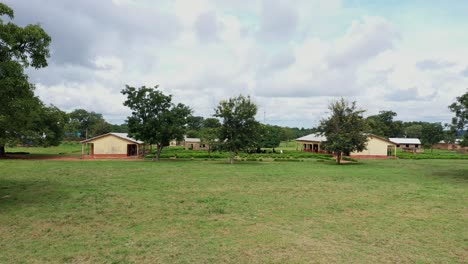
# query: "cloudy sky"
{"points": [[292, 57]]}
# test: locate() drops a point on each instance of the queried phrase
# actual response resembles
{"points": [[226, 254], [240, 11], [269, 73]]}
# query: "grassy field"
{"points": [[407, 211], [64, 149]]}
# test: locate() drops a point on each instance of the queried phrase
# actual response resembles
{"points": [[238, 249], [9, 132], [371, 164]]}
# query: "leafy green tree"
{"points": [[20, 47], [413, 131], [432, 133], [384, 125], [464, 142], [192, 133], [288, 134], [195, 123], [211, 123], [209, 136], [344, 129], [49, 123], [122, 128], [155, 119], [460, 109], [87, 124], [239, 130], [270, 137]]}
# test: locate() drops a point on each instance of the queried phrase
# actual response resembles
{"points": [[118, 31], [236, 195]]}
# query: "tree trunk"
{"points": [[338, 157], [158, 153], [2, 151], [233, 155]]}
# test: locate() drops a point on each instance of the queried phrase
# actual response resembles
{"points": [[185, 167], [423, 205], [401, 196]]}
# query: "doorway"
{"points": [[132, 150]]}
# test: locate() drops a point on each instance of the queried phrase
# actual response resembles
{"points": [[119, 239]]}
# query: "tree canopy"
{"points": [[459, 122], [431, 133], [345, 129], [384, 125], [155, 119], [239, 129], [20, 110], [83, 124], [270, 136]]}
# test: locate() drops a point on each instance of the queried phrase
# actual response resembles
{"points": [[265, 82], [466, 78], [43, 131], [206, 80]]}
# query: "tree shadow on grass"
{"points": [[455, 173], [16, 194]]}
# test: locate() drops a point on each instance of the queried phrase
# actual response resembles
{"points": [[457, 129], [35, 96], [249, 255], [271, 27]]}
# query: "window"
{"points": [[416, 145], [407, 145], [397, 146]]}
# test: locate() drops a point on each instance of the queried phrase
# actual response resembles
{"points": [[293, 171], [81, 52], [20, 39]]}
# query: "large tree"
{"points": [[460, 120], [384, 125], [270, 136], [84, 124], [209, 134], [239, 130], [431, 134], [155, 119], [344, 129], [20, 47]]}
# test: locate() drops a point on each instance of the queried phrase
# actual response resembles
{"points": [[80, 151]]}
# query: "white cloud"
{"points": [[292, 58]]}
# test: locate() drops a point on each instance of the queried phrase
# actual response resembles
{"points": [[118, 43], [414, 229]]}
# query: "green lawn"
{"points": [[64, 149], [197, 212]]}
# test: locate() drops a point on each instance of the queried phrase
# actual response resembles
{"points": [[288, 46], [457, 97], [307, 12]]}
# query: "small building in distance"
{"points": [[111, 145], [312, 142], [194, 144], [408, 144], [449, 146], [377, 147]]}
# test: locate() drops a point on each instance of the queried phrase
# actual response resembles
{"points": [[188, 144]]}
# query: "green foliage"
{"points": [[431, 133], [239, 130], [270, 136], [414, 131], [195, 123], [383, 124], [344, 129], [155, 119], [50, 124], [434, 154], [460, 109], [122, 128], [28, 46], [464, 142], [21, 47], [192, 134], [210, 136], [83, 124], [211, 123]]}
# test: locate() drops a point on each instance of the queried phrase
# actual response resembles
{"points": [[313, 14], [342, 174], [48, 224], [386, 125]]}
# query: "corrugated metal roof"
{"points": [[125, 136], [196, 140], [319, 138], [405, 140], [313, 137], [120, 135]]}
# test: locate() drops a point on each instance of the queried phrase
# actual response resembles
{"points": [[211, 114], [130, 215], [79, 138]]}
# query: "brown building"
{"points": [[449, 146], [195, 144]]}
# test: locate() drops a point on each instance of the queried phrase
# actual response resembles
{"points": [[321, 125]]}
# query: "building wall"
{"points": [[375, 147], [402, 146], [110, 145], [309, 145], [447, 146], [195, 145]]}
